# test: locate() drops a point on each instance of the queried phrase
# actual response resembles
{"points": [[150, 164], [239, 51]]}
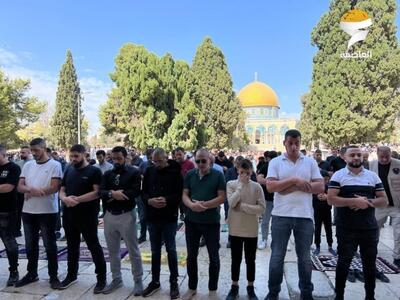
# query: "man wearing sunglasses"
{"points": [[203, 193]]}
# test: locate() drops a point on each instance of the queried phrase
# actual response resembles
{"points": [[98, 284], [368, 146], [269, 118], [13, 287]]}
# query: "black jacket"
{"points": [[168, 183], [128, 179]]}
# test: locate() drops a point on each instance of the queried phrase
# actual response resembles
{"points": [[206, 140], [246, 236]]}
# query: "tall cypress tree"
{"points": [[213, 88], [355, 100], [64, 124]]}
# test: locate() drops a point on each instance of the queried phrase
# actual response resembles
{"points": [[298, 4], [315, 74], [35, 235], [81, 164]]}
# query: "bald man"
{"points": [[388, 170]]}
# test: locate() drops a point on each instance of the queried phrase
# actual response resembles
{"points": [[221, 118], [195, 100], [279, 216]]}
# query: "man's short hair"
{"points": [[100, 152], [344, 149], [38, 142], [221, 154], [120, 149], [159, 152], [239, 159], [25, 147], [179, 149], [246, 164], [293, 133], [318, 151], [78, 148], [350, 147], [272, 154]]}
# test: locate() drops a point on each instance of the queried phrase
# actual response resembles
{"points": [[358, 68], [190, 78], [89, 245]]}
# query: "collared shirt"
{"points": [[365, 184], [204, 188], [297, 204], [104, 167]]}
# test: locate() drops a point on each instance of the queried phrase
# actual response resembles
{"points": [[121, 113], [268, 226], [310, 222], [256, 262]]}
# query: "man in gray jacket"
{"points": [[388, 170]]}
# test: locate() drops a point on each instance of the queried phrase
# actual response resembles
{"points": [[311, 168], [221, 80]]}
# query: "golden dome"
{"points": [[355, 15], [258, 94]]}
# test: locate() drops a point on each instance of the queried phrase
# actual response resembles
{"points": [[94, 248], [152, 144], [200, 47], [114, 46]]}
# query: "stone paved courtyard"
{"points": [[84, 288]]}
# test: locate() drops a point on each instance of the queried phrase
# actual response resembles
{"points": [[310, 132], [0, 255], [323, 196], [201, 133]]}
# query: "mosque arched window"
{"points": [[261, 130], [257, 138], [283, 130], [271, 135]]}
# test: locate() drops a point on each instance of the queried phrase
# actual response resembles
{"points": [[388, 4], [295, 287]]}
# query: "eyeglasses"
{"points": [[203, 161]]}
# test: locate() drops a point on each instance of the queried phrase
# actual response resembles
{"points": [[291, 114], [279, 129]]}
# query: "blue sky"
{"points": [[268, 37]]}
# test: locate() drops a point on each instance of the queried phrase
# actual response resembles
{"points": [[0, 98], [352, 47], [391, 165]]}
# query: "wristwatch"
{"points": [[109, 194]]}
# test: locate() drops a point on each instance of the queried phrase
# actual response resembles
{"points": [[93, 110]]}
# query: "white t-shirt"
{"points": [[39, 175], [297, 204]]}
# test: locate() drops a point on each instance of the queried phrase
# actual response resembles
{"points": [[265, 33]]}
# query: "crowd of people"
{"points": [[289, 192]]}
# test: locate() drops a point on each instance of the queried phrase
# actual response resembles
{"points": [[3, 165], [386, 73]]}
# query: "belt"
{"points": [[118, 212]]}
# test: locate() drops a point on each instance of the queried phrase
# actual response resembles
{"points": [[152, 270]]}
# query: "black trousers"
{"points": [[7, 226], [18, 217], [250, 248], [348, 241], [323, 216], [78, 221]]}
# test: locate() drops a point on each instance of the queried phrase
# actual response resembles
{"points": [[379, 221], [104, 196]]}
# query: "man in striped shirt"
{"points": [[356, 191]]}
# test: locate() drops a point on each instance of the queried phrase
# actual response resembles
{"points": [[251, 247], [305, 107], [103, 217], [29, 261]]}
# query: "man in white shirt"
{"points": [[39, 181], [293, 178]]}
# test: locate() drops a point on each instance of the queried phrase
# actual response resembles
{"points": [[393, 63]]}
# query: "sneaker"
{"points": [[212, 295], [141, 239], [382, 277], [270, 297], [151, 289], [27, 279], [332, 251], [351, 277], [317, 251], [262, 245], [67, 282], [202, 242], [115, 284], [174, 291], [182, 217], [250, 293], [359, 275], [396, 262], [54, 283], [138, 287], [58, 235], [189, 294], [233, 293], [228, 244], [13, 278], [100, 287]]}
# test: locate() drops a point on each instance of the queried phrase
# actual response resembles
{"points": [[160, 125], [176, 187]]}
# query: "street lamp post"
{"points": [[79, 119]]}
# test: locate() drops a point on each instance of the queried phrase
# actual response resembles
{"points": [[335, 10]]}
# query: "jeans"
{"points": [[7, 229], [210, 232], [323, 215], [117, 227], [281, 229], [226, 208], [142, 216], [20, 205], [250, 249], [83, 222], [166, 232], [348, 241], [265, 219], [46, 224]]}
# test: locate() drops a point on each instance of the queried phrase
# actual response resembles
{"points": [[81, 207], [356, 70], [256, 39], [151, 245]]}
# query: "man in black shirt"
{"points": [[9, 176], [388, 170], [162, 194], [338, 162], [223, 161], [119, 188], [322, 164], [80, 195], [356, 192]]}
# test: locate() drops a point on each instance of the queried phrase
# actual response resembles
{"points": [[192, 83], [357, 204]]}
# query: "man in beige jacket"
{"points": [[388, 170]]}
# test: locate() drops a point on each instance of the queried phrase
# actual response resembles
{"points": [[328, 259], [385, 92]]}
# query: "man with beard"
{"points": [[9, 175], [119, 188], [356, 192], [24, 157], [40, 180], [80, 195], [162, 194]]}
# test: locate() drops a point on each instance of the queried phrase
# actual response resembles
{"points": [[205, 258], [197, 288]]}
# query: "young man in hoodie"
{"points": [[162, 194]]}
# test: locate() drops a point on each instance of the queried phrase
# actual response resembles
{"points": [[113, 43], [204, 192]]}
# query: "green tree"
{"points": [[64, 124], [17, 110], [213, 87], [354, 100]]}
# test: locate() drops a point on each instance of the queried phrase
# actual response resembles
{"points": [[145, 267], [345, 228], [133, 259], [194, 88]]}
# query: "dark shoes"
{"points": [[351, 277], [151, 289], [27, 279], [115, 284], [397, 263], [233, 293], [142, 239], [13, 278], [317, 251], [67, 282], [359, 275], [100, 286], [251, 295], [54, 283], [174, 291], [202, 242], [382, 277]]}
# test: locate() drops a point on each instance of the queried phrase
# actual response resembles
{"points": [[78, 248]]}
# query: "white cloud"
{"points": [[44, 85]]}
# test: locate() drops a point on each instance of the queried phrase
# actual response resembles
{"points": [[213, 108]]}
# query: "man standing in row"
{"points": [[162, 194], [9, 176], [80, 194], [203, 193], [355, 192], [388, 170], [119, 188], [40, 181]]}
